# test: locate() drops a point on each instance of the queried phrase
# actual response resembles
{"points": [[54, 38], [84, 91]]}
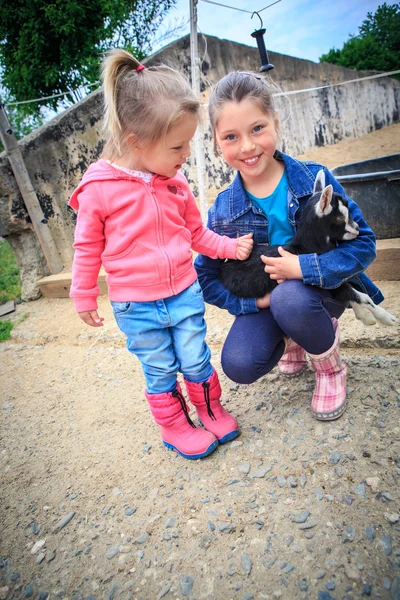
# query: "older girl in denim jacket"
{"points": [[267, 197]]}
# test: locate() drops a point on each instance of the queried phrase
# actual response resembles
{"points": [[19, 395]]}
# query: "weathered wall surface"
{"points": [[58, 153]]}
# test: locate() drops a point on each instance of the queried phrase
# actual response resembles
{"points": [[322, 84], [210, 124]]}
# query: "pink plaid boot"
{"points": [[178, 431], [293, 360], [206, 399], [329, 399]]}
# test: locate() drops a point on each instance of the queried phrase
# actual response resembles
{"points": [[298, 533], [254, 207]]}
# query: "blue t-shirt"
{"points": [[275, 208]]}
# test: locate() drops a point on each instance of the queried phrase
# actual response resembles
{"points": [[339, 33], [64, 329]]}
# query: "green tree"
{"points": [[55, 46], [377, 45]]}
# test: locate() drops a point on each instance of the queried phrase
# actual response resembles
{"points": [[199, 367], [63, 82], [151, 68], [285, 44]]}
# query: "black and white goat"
{"points": [[324, 222]]}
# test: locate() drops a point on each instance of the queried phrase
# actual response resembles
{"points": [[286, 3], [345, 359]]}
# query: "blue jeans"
{"points": [[167, 336], [254, 344]]}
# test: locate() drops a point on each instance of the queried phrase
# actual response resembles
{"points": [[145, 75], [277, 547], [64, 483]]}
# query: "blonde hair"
{"points": [[145, 104], [238, 86]]}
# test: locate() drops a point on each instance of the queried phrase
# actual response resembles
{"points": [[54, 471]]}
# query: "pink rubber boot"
{"points": [[329, 399], [293, 360], [206, 399], [178, 431]]}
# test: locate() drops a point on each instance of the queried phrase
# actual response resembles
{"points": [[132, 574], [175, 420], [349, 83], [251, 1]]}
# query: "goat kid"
{"points": [[324, 222]]}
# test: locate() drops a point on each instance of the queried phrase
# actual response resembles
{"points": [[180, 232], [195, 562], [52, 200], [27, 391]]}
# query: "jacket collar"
{"points": [[300, 178]]}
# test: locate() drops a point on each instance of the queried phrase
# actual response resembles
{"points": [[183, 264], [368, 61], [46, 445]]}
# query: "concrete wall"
{"points": [[58, 153]]}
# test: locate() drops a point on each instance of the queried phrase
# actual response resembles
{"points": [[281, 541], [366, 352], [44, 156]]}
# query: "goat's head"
{"points": [[333, 212]]}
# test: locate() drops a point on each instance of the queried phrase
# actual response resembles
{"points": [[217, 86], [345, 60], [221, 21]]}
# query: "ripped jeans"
{"points": [[254, 344]]}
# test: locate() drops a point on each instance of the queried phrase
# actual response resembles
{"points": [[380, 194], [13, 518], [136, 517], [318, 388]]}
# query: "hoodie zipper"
{"points": [[160, 236]]}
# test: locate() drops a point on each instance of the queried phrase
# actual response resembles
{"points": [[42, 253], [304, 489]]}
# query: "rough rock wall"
{"points": [[58, 153]]}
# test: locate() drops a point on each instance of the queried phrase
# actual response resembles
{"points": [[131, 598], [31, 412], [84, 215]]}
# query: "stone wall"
{"points": [[57, 154]]}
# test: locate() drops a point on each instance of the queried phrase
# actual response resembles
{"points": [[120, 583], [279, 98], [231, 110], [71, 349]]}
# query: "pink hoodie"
{"points": [[141, 232]]}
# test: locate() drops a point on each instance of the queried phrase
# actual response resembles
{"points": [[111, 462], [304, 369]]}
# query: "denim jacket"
{"points": [[233, 214]]}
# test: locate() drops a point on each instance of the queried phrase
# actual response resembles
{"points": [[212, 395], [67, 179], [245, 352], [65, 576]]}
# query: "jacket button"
{"points": [[291, 205]]}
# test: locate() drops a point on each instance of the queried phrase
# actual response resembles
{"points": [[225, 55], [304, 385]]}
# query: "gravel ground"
{"points": [[93, 506]]}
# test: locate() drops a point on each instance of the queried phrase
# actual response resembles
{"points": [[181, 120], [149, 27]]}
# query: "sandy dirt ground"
{"points": [[92, 506]]}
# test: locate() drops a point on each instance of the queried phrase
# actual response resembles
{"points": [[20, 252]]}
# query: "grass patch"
{"points": [[10, 285], [5, 330]]}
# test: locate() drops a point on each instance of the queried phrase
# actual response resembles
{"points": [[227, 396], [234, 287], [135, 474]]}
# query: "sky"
{"points": [[302, 28]]}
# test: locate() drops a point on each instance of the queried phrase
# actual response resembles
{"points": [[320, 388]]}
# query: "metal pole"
{"points": [[199, 136], [29, 195]]}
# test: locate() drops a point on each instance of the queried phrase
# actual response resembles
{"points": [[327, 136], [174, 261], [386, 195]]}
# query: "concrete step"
{"points": [[386, 267]]}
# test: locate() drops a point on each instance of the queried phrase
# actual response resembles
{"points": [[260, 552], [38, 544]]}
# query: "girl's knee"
{"points": [[237, 368], [287, 297]]}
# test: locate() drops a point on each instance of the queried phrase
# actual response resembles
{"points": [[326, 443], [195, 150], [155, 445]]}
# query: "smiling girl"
{"points": [[267, 197]]}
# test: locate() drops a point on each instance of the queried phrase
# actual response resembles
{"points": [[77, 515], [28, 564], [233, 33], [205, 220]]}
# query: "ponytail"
{"points": [[141, 102], [117, 65]]}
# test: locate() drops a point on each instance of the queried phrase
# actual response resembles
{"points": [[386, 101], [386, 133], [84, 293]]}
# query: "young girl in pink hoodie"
{"points": [[138, 217]]}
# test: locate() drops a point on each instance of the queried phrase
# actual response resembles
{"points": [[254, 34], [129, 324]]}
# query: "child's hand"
{"points": [[91, 318], [263, 302], [285, 267], [244, 246]]}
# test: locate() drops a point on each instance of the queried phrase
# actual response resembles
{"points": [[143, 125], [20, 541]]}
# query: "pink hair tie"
{"points": [[140, 68]]}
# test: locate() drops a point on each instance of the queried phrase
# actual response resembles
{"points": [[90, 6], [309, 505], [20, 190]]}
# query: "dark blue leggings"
{"points": [[254, 344]]}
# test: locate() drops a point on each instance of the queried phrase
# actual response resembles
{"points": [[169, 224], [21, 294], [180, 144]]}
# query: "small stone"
{"points": [[366, 590], [3, 592], [386, 543], [28, 591], [348, 534], [370, 532], [322, 595], [171, 522], [186, 585], [246, 562], [308, 525], [112, 552], [386, 583], [303, 480], [301, 517], [393, 518], [261, 472], [142, 539], [244, 468], [335, 458], [330, 586], [130, 511], [373, 483], [320, 574], [303, 585], [289, 567], [281, 480], [163, 591], [63, 522], [37, 546], [226, 527], [360, 490]]}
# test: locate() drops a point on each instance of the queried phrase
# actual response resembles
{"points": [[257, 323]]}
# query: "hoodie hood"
{"points": [[100, 171]]}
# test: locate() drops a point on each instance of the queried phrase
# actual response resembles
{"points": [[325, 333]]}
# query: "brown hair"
{"points": [[238, 86], [145, 104]]}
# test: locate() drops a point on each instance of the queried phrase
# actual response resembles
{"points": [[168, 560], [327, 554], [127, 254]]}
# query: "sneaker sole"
{"points": [[210, 449]]}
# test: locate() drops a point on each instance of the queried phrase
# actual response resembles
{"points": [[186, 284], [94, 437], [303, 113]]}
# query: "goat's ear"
{"points": [[319, 183], [324, 204]]}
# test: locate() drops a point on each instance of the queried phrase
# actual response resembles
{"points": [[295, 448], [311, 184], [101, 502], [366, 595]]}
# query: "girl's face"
{"points": [[247, 137], [167, 156]]}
